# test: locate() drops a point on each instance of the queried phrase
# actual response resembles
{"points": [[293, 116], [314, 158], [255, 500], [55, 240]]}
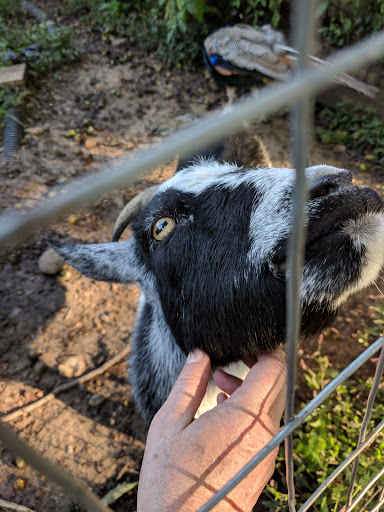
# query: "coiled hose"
{"points": [[13, 130]]}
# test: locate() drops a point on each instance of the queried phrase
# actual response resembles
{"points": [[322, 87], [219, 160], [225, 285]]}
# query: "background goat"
{"points": [[208, 251]]}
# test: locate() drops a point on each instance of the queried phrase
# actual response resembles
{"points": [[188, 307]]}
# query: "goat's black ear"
{"points": [[111, 262]]}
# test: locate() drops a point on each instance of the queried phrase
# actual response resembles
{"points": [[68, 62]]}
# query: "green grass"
{"points": [[326, 438], [354, 126]]}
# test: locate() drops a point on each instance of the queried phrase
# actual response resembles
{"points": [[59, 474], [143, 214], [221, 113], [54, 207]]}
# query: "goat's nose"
{"points": [[325, 183]]}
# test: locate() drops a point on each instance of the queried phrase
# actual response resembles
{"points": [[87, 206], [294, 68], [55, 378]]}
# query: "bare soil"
{"points": [[93, 430]]}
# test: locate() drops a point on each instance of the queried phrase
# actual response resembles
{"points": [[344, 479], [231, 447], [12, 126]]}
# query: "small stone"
{"points": [[90, 144], [65, 275], [340, 148], [19, 484], [39, 367], [363, 167], [119, 41], [72, 219], [50, 262], [96, 400], [74, 366], [20, 463], [35, 130]]}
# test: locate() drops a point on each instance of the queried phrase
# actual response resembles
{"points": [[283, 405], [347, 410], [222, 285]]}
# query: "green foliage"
{"points": [[174, 30], [377, 329], [9, 7], [174, 47], [57, 46], [327, 437], [177, 13], [180, 26], [259, 12], [347, 21], [355, 126]]}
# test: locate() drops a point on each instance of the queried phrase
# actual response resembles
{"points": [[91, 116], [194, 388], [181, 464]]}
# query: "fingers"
{"points": [[228, 383], [263, 389], [188, 391]]}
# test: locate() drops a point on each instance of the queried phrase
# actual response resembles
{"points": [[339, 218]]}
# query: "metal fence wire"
{"points": [[298, 93]]}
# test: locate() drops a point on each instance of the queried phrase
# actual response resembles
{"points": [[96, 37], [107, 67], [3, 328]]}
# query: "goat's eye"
{"points": [[162, 228]]}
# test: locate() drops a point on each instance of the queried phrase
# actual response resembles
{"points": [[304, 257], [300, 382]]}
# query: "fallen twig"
{"points": [[113, 495], [14, 506], [68, 385]]}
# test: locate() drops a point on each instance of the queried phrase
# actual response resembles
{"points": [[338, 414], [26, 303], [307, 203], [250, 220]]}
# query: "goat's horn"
{"points": [[131, 210]]}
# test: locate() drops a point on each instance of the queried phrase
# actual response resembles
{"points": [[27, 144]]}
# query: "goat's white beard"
{"points": [[367, 235], [366, 232], [238, 369]]}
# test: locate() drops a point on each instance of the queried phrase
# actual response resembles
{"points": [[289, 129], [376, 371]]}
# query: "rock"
{"points": [[20, 463], [74, 366], [363, 167], [340, 148], [119, 41], [35, 130], [19, 484], [96, 400], [50, 262], [90, 143], [39, 367]]}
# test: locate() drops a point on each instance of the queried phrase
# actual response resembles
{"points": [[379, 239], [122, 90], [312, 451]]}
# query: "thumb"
{"points": [[188, 391]]}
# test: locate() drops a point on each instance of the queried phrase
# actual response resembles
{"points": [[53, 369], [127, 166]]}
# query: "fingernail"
{"points": [[195, 356]]}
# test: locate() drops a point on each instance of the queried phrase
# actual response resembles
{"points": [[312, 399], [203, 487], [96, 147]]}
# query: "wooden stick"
{"points": [[68, 385], [14, 506], [13, 75]]}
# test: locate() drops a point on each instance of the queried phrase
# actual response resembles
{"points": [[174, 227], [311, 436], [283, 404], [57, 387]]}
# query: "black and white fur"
{"points": [[217, 281]]}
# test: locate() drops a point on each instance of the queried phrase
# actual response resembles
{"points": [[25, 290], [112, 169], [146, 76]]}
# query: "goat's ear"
{"points": [[111, 262]]}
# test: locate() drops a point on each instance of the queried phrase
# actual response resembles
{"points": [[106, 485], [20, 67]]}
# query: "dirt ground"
{"points": [[49, 324]]}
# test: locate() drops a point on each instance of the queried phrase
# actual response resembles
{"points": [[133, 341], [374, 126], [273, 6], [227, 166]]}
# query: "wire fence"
{"points": [[298, 93]]}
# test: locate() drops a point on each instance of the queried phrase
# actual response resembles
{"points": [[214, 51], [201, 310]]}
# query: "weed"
{"points": [[259, 12], [377, 329], [43, 49], [347, 21], [355, 126], [8, 8]]}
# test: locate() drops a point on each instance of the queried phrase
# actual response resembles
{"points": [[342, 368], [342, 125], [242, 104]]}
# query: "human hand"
{"points": [[188, 460]]}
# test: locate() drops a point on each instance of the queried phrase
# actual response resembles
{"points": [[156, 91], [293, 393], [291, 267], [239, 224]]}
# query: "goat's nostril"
{"points": [[327, 184], [321, 190]]}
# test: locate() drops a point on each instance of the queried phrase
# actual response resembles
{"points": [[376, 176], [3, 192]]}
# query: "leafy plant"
{"points": [[42, 48], [377, 329], [259, 12], [355, 126], [7, 7], [177, 13], [327, 437], [347, 21]]}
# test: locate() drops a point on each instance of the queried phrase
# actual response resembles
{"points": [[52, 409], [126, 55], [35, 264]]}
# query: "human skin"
{"points": [[187, 460]]}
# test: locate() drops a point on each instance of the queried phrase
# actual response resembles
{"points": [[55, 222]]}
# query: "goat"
{"points": [[208, 252]]}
